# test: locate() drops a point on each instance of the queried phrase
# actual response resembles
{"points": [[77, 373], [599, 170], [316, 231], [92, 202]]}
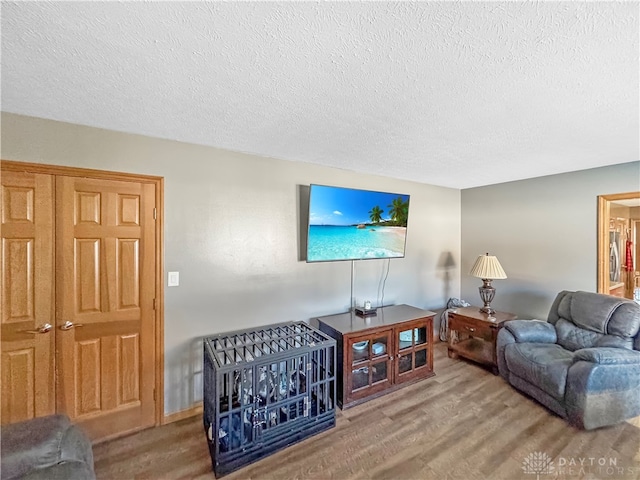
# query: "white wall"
{"points": [[232, 230], [544, 233]]}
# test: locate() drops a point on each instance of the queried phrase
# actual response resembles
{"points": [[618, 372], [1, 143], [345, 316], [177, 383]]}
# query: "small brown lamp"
{"points": [[487, 267]]}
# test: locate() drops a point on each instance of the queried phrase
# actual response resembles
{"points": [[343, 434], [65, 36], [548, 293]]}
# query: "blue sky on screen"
{"points": [[345, 206]]}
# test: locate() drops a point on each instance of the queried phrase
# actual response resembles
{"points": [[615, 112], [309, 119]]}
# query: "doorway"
{"points": [[618, 250], [82, 321]]}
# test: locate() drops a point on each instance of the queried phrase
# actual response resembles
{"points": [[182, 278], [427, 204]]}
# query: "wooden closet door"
{"points": [[105, 243], [27, 286]]}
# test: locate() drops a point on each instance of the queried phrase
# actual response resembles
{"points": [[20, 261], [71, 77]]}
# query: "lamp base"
{"points": [[487, 292]]}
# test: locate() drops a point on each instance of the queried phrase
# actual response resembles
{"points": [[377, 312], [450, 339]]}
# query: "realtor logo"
{"points": [[538, 463]]}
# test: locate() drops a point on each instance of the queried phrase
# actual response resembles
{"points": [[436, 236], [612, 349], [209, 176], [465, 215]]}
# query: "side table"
{"points": [[473, 334]]}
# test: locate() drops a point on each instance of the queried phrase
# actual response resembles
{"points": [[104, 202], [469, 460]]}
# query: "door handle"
{"points": [[69, 325], [44, 328]]}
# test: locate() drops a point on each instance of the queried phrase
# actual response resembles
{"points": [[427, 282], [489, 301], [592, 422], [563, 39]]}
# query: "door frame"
{"points": [[604, 204], [17, 166]]}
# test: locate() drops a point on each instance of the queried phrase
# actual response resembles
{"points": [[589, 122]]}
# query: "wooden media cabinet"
{"points": [[380, 353]]}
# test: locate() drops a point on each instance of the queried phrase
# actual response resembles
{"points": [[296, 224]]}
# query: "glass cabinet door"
{"points": [[413, 347], [370, 364]]}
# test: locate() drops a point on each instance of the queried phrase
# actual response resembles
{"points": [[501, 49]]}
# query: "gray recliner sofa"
{"points": [[48, 448], [583, 363]]}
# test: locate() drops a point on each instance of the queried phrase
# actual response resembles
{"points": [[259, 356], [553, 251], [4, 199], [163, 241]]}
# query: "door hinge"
{"points": [[154, 303], [155, 213], [154, 395]]}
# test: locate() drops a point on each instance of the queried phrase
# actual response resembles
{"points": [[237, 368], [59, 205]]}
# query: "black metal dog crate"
{"points": [[265, 389]]}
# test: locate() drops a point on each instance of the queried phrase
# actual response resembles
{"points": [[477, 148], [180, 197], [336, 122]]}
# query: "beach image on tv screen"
{"points": [[351, 224]]}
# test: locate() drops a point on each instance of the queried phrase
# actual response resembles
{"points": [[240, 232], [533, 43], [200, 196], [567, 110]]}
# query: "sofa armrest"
{"points": [[608, 356], [532, 331], [599, 394], [42, 443], [72, 469]]}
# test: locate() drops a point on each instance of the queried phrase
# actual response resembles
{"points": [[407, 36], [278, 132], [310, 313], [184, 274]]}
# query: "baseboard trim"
{"points": [[182, 414]]}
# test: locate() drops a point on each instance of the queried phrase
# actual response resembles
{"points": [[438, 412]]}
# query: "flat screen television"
{"points": [[352, 224]]}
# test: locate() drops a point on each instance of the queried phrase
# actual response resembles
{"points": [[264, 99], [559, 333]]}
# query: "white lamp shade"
{"points": [[487, 266]]}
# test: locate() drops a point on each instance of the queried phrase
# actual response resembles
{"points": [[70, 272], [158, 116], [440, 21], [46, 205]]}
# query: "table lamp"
{"points": [[487, 267]]}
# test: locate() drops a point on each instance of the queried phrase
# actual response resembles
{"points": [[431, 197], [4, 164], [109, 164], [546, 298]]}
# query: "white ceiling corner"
{"points": [[458, 94]]}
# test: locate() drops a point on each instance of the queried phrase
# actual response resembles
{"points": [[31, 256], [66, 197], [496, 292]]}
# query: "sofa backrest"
{"points": [[587, 319]]}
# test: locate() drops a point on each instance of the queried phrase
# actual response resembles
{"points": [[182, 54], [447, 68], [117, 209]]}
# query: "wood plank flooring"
{"points": [[464, 423]]}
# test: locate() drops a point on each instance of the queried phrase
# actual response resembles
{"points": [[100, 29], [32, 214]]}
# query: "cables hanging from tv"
{"points": [[382, 284], [353, 273]]}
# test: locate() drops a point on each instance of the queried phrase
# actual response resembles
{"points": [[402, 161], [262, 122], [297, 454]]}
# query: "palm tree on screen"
{"points": [[375, 214], [399, 211]]}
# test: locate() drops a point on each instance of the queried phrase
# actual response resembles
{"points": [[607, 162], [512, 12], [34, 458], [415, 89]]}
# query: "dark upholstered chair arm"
{"points": [[45, 447], [531, 331], [71, 470], [608, 356]]}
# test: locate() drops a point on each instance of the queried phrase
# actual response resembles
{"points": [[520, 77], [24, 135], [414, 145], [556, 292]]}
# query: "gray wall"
{"points": [[232, 230], [544, 233]]}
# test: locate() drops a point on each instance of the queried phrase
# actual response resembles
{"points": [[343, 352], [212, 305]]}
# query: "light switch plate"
{"points": [[174, 279]]}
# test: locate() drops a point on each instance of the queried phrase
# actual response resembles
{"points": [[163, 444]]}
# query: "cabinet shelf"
{"points": [[475, 349]]}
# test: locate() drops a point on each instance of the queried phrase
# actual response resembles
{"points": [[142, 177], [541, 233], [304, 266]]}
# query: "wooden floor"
{"points": [[464, 423]]}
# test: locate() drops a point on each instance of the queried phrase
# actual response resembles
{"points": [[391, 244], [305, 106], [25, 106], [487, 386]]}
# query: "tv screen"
{"points": [[351, 224]]}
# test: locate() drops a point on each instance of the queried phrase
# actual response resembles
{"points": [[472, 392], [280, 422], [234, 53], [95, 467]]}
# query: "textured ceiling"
{"points": [[458, 94]]}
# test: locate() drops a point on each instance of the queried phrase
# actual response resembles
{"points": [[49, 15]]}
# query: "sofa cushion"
{"points": [[615, 341], [625, 322], [600, 314], [561, 307], [575, 338], [608, 356], [594, 311], [543, 365]]}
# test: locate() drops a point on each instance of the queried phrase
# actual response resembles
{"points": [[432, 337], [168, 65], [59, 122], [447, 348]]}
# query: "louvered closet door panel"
{"points": [[27, 286], [106, 253]]}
